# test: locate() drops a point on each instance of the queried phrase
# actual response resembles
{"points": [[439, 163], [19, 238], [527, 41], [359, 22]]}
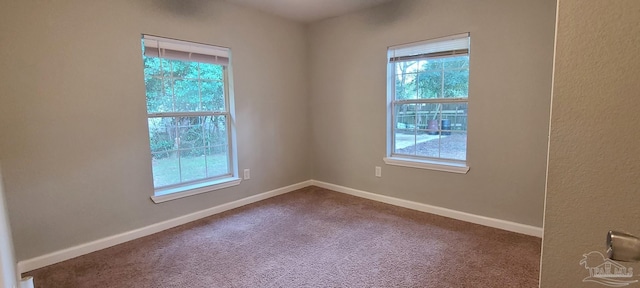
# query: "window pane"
{"points": [[186, 149], [456, 62], [448, 146], [412, 117], [428, 117], [174, 86], [456, 83], [159, 94], [155, 96], [428, 139], [187, 95], [405, 85], [454, 146], [190, 132], [437, 127], [212, 96], [162, 134], [430, 84], [151, 65], [183, 69], [432, 65], [211, 72], [435, 130], [428, 145], [405, 143], [166, 169], [155, 66], [217, 142], [167, 102], [216, 131], [454, 117], [192, 164], [405, 115], [199, 143], [405, 132], [217, 161]]}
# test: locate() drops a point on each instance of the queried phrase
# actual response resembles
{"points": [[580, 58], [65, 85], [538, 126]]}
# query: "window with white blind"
{"points": [[190, 116], [427, 95]]}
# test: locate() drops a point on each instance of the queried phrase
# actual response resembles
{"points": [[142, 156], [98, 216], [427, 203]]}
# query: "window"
{"points": [[189, 116], [428, 88]]}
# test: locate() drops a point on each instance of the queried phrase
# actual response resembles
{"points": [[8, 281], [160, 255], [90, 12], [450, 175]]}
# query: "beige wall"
{"points": [[509, 99], [594, 173], [309, 102], [73, 141]]}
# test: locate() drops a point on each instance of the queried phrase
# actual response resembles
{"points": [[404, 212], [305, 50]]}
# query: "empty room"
{"points": [[342, 143]]}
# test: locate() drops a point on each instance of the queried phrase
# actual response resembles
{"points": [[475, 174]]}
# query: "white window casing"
{"points": [[197, 53], [422, 52]]}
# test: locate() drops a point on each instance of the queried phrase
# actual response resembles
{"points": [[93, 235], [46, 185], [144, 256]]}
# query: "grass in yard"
{"points": [[171, 170]]}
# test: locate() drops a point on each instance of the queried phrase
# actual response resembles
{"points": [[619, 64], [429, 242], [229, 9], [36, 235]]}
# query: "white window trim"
{"points": [[172, 192], [164, 195], [445, 165]]}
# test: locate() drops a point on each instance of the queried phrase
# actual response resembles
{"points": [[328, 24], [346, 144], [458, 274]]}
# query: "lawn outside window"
{"points": [[427, 94], [189, 111]]}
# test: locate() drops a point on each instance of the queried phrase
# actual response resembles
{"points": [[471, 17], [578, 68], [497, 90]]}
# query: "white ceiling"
{"points": [[308, 10]]}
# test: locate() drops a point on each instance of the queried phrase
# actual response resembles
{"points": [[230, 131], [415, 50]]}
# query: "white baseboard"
{"points": [[463, 216], [72, 252]]}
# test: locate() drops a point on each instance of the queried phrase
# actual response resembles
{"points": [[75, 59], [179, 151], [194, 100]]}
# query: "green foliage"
{"points": [[433, 78], [194, 136], [179, 86], [160, 144], [184, 86], [439, 78], [186, 148], [168, 171]]}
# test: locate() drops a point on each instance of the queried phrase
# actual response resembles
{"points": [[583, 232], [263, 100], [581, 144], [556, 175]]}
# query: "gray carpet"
{"points": [[312, 237]]}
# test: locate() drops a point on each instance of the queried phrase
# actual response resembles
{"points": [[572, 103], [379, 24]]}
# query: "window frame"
{"points": [[417, 161], [207, 184]]}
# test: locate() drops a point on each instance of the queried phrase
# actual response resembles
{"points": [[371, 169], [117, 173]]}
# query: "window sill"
{"points": [[444, 166], [194, 189]]}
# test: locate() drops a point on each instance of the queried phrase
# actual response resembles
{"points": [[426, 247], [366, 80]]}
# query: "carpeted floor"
{"points": [[312, 237]]}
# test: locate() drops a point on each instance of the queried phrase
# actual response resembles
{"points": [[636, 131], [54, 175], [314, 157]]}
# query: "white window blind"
{"points": [[454, 45], [184, 50]]}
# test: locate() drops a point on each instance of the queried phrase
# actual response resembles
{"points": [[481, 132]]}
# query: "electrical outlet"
{"points": [[247, 174], [378, 171]]}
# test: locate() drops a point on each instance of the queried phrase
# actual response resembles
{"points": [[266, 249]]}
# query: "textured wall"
{"points": [[509, 100], [594, 174], [74, 142]]}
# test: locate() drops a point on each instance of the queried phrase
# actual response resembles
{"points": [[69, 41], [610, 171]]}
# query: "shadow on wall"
{"points": [[187, 8], [385, 14]]}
